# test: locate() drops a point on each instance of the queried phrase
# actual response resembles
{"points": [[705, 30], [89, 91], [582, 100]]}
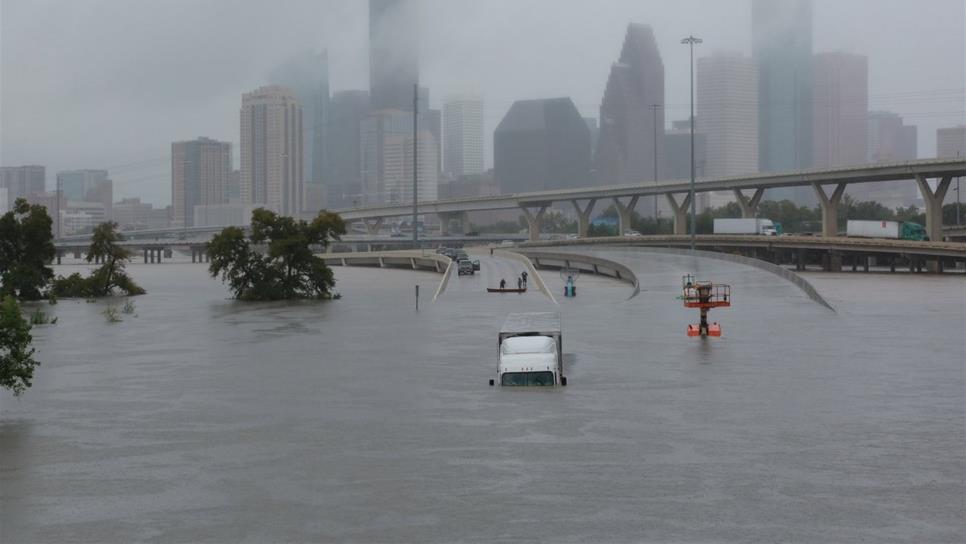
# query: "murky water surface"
{"points": [[201, 419]]}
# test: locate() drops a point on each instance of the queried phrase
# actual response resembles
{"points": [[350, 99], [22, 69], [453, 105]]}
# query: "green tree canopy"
{"points": [[26, 246], [110, 276], [276, 262], [16, 356]]}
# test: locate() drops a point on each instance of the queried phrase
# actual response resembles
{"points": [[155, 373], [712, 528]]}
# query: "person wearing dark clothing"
{"points": [[520, 283], [502, 284]]}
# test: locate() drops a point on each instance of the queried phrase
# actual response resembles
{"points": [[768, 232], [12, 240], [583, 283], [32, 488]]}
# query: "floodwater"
{"points": [[202, 419]]}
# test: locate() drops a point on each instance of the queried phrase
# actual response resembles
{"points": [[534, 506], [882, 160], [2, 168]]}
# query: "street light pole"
{"points": [[415, 162], [691, 40], [654, 108]]}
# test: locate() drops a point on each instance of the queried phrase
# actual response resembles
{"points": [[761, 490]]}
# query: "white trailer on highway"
{"points": [[752, 225], [895, 230], [531, 350]]}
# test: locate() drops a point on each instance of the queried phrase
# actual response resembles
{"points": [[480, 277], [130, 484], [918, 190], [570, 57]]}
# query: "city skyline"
{"points": [[140, 170]]}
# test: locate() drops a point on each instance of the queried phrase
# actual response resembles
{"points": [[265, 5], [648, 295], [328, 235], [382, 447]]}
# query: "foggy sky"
{"points": [[111, 83]]}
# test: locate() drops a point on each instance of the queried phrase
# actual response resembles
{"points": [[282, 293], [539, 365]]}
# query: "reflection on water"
{"points": [[206, 419]]}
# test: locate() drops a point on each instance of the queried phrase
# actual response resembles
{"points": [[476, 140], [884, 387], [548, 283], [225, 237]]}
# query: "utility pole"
{"points": [[691, 40], [415, 162], [654, 108], [60, 191]]}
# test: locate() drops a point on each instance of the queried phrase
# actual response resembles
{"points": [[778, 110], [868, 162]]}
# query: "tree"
{"points": [[286, 268], [105, 246], [16, 356], [26, 246]]}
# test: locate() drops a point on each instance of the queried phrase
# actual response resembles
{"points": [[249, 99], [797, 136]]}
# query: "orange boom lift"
{"points": [[704, 295]]}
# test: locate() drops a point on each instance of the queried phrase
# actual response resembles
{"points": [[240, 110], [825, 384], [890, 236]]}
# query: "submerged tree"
{"points": [[276, 262], [26, 246], [16, 356], [110, 277]]}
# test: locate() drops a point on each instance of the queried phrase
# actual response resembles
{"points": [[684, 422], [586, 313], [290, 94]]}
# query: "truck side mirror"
{"points": [[491, 382], [563, 381]]}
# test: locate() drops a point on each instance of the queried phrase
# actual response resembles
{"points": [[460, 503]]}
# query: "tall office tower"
{"points": [[889, 140], [200, 174], [347, 111], [626, 145], [677, 164], [271, 150], [727, 106], [782, 47], [376, 131], [393, 53], [951, 142], [463, 136], [594, 129], [398, 168], [88, 186], [541, 144], [22, 182], [840, 98], [308, 75]]}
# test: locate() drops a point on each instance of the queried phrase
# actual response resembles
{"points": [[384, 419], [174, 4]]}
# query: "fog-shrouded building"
{"points": [[132, 214], [782, 48], [200, 174], [88, 186], [628, 129], [398, 168], [393, 53], [840, 96], [727, 107], [377, 130], [307, 74], [677, 163], [463, 136], [271, 150], [347, 111], [889, 139], [951, 142], [22, 182], [541, 144]]}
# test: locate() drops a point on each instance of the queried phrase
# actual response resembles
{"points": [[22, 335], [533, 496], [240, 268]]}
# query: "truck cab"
{"points": [[531, 351], [528, 361]]}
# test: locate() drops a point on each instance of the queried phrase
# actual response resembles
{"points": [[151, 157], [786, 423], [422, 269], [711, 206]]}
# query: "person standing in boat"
{"points": [[502, 284]]}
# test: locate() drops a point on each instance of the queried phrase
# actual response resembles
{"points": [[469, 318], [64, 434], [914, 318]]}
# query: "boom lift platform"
{"points": [[704, 295]]}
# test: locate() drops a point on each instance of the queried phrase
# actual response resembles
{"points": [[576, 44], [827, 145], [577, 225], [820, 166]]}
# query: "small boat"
{"points": [[498, 290]]}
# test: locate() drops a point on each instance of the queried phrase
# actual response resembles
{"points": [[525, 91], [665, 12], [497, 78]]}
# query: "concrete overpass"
{"points": [[829, 186]]}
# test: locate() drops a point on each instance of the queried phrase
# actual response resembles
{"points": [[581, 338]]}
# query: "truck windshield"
{"points": [[527, 378]]}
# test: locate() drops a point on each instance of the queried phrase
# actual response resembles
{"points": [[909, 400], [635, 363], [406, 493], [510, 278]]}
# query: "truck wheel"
{"points": [[491, 382], [563, 381]]}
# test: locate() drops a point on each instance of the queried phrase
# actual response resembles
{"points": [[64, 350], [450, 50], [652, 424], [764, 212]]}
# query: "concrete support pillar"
{"points": [[865, 265], [194, 253], [624, 213], [680, 212], [749, 205], [151, 255], [583, 216], [534, 219], [373, 225], [446, 220], [59, 255], [145, 255], [207, 257], [77, 254], [933, 201], [830, 208]]}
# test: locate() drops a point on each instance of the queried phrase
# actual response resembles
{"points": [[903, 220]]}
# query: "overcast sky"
{"points": [[111, 83]]}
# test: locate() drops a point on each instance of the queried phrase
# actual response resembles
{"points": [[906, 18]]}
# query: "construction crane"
{"points": [[704, 295]]}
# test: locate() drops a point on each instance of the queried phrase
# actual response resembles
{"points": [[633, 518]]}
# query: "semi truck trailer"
{"points": [[758, 226], [895, 230], [530, 350]]}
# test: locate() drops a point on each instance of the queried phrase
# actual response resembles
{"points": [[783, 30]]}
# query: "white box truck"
{"points": [[531, 350], [896, 230], [759, 226]]}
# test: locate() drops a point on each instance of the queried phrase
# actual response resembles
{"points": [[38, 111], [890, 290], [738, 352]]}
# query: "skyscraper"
{"points": [[626, 144], [889, 140], [88, 186], [200, 172], [840, 106], [782, 47], [307, 74], [22, 182], [541, 144], [727, 107], [951, 142], [347, 111], [378, 131], [463, 136], [398, 168], [271, 150], [393, 53]]}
